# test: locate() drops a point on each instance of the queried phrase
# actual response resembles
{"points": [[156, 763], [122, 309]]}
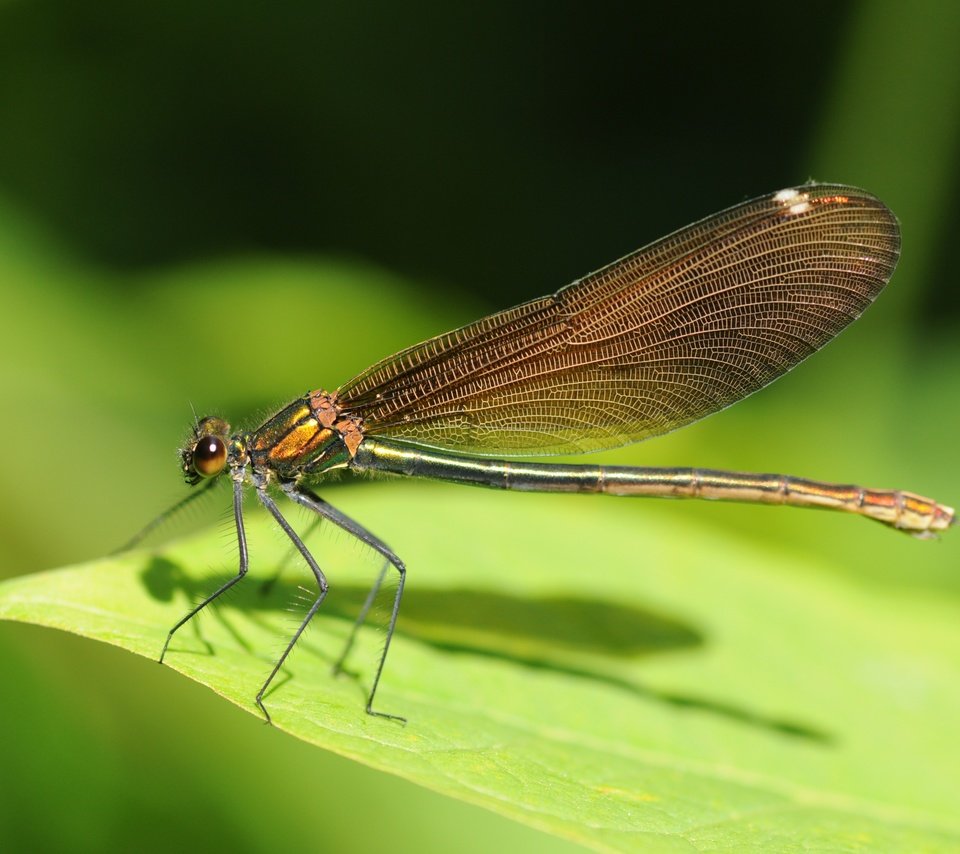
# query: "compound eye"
{"points": [[209, 456]]}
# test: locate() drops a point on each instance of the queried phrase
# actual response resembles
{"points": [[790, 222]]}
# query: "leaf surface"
{"points": [[598, 668]]}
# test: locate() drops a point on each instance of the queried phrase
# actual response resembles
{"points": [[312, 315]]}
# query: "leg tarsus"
{"points": [[263, 709], [375, 714]]}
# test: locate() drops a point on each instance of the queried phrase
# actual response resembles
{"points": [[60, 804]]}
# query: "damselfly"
{"points": [[667, 335]]}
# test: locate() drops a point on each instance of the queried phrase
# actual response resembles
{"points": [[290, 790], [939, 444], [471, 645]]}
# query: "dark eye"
{"points": [[209, 456]]}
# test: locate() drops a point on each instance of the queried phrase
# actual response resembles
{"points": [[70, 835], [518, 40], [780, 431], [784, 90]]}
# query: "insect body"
{"points": [[661, 338]]}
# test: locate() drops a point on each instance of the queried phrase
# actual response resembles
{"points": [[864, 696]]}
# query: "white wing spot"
{"points": [[786, 195], [800, 207]]}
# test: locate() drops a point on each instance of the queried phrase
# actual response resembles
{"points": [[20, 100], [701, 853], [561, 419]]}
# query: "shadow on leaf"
{"points": [[579, 637]]}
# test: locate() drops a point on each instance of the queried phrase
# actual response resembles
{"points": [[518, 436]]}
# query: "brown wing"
{"points": [[678, 330]]}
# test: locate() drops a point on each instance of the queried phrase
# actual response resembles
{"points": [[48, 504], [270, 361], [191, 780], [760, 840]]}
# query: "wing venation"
{"points": [[665, 336]]}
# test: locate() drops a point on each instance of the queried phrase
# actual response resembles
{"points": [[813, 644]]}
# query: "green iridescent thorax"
{"points": [[294, 442]]}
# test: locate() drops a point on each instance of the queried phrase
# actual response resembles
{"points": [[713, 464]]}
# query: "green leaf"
{"points": [[606, 670]]}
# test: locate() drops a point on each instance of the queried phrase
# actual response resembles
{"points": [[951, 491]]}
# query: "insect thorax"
{"points": [[309, 436]]}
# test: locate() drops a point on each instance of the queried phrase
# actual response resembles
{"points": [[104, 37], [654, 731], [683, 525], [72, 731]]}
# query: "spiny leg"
{"points": [[242, 571], [167, 514], [312, 501], [270, 504], [267, 587]]}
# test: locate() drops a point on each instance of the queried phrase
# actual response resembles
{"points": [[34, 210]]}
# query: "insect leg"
{"points": [[310, 500], [267, 587], [270, 504], [242, 570]]}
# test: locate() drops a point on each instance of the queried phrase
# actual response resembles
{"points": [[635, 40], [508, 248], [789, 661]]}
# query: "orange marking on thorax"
{"points": [[325, 407], [351, 432], [330, 414]]}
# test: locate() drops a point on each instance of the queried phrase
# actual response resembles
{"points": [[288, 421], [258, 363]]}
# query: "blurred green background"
{"points": [[227, 205]]}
